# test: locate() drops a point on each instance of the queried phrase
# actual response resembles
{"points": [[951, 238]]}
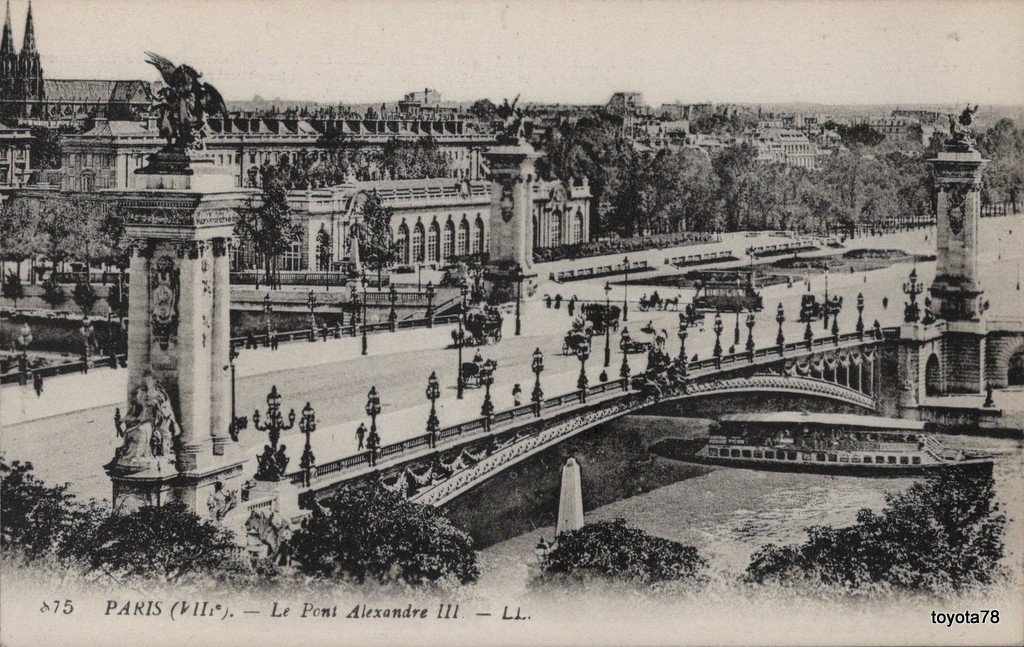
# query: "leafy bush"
{"points": [[13, 289], [613, 550], [378, 535], [941, 535], [85, 297], [167, 543], [54, 294], [40, 520]]}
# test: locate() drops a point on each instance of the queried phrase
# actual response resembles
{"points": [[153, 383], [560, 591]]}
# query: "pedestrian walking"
{"points": [[273, 340], [571, 307], [37, 383], [250, 341], [885, 303], [517, 392], [360, 435]]}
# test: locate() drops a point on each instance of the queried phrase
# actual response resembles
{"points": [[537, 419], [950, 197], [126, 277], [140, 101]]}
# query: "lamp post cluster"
{"points": [[751, 320], [86, 331], [683, 331], [780, 317], [624, 344], [273, 461], [460, 381], [860, 313], [487, 408], [393, 315], [607, 324], [311, 304], [583, 353], [518, 276], [717, 351], [433, 393], [911, 287], [373, 410], [537, 366], [430, 304], [307, 425], [625, 285], [268, 309]]}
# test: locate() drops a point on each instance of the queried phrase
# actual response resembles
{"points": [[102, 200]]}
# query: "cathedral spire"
{"points": [[7, 43], [29, 44]]}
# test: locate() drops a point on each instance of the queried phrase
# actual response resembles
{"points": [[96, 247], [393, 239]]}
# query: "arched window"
{"points": [[417, 243], [478, 236], [433, 235], [556, 227], [577, 227], [448, 242], [402, 244], [462, 240]]}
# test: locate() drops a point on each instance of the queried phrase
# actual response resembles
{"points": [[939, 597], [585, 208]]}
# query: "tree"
{"points": [[85, 297], [376, 534], [268, 227], [483, 109], [611, 549], [168, 543], [941, 535], [40, 520], [53, 293], [46, 149], [12, 288], [20, 225], [376, 247], [858, 134]]}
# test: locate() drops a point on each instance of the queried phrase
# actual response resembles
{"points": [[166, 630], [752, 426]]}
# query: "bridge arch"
{"points": [[932, 376]]}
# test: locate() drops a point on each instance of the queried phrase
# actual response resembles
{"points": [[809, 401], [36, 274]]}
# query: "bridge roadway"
{"points": [[68, 432], [518, 432]]}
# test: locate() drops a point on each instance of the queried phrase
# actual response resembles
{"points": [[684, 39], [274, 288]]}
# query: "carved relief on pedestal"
{"points": [[221, 501], [506, 202], [164, 291], [956, 202]]}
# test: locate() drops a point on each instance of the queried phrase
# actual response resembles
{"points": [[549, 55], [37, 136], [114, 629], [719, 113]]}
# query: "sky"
{"points": [[827, 51]]}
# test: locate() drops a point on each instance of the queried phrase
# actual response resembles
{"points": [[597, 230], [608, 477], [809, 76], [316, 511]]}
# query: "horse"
{"points": [[674, 302], [274, 532]]}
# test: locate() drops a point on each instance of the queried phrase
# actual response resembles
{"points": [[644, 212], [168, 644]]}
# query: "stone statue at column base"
{"points": [[150, 431]]}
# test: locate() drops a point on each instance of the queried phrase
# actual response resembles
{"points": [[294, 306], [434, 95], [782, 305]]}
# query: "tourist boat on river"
{"points": [[833, 444]]}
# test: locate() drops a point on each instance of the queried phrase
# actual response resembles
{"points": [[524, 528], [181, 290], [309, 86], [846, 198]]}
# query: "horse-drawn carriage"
{"points": [[634, 345], [601, 316], [656, 302], [575, 339], [482, 326], [476, 372]]}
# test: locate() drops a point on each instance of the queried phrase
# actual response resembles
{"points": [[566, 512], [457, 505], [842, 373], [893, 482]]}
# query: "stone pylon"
{"points": [[570, 503]]}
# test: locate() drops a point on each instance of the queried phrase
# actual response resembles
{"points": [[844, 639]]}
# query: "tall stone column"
{"points": [[512, 174], [194, 356], [220, 371], [138, 316]]}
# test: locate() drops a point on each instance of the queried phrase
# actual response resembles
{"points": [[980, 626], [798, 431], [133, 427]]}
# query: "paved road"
{"points": [[71, 447]]}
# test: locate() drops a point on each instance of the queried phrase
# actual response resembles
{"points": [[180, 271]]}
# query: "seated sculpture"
{"points": [[150, 428]]}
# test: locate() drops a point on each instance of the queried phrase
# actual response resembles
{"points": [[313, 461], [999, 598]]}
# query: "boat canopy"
{"points": [[850, 421]]}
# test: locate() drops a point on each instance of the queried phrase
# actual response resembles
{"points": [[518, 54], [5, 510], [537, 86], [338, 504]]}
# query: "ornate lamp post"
{"points": [[272, 463], [806, 316], [911, 311], [717, 352], [373, 410], [607, 325], [683, 331], [355, 308], [430, 304], [487, 408], [835, 306], [518, 276], [433, 393], [583, 353], [311, 304], [362, 320], [624, 343], [860, 313], [86, 330], [736, 329], [780, 316], [625, 285], [268, 308], [751, 320], [537, 397], [307, 425], [460, 382], [825, 309], [238, 423], [393, 315]]}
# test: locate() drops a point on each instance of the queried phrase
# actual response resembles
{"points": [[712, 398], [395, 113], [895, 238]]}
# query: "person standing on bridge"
{"points": [[37, 383], [360, 435], [517, 392]]}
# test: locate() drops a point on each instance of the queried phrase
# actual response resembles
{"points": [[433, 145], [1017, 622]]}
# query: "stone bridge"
{"points": [[839, 368]]}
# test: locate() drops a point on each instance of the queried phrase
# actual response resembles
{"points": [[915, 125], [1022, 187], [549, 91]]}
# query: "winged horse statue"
{"points": [[183, 104]]}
